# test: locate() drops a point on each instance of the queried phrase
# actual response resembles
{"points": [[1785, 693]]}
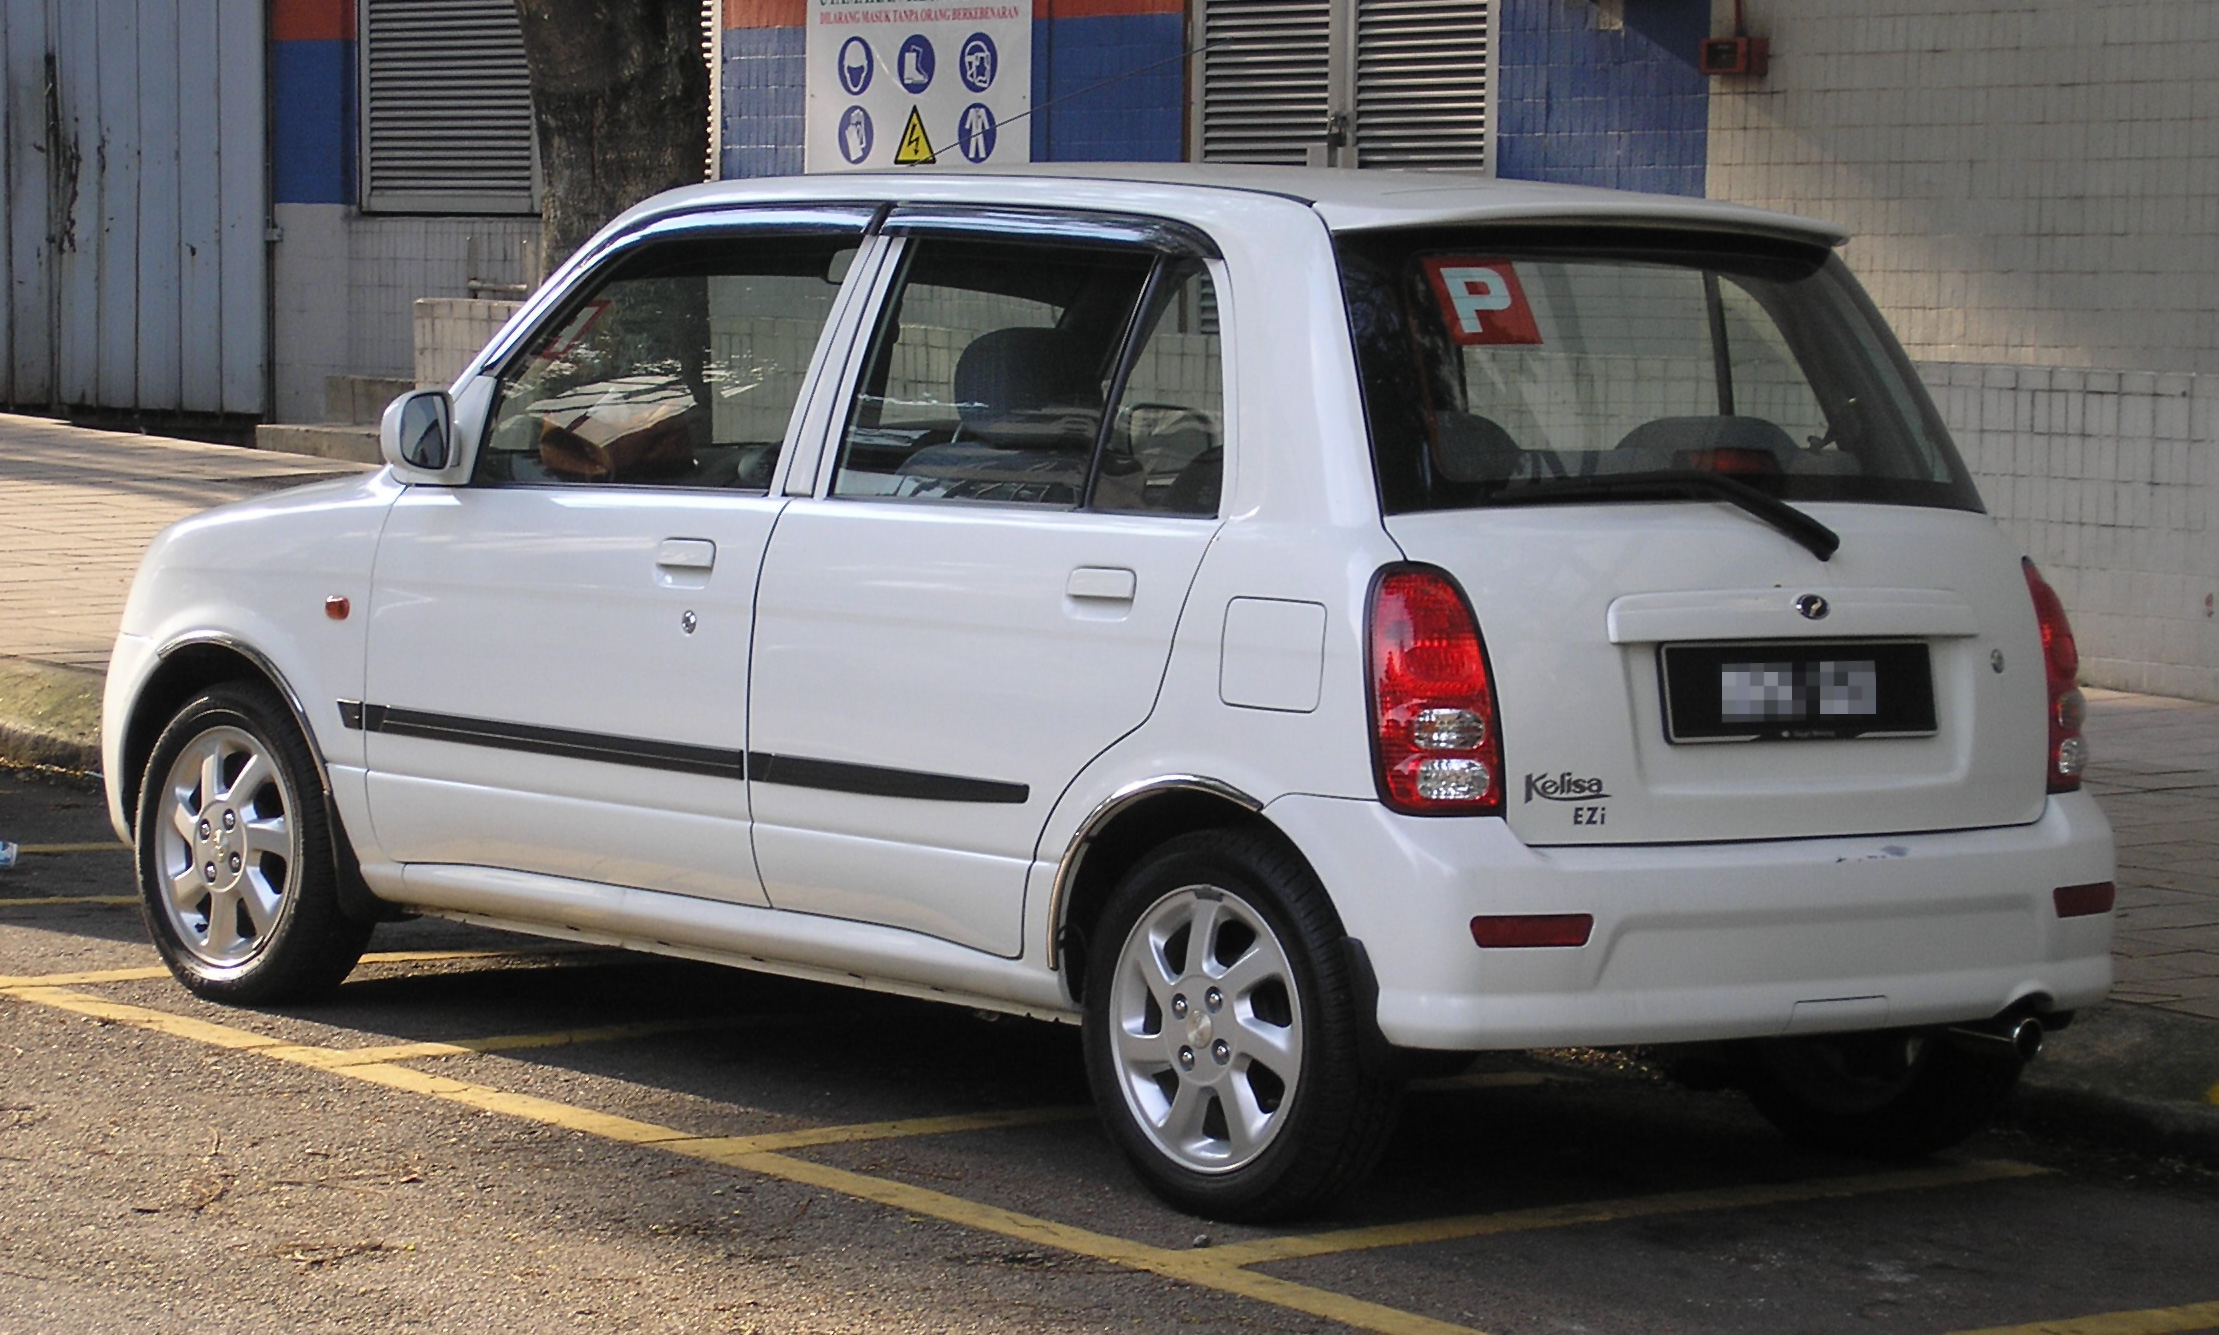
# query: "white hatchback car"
{"points": [[1294, 625]]}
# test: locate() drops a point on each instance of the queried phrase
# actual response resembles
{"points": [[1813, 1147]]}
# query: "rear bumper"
{"points": [[1709, 941]]}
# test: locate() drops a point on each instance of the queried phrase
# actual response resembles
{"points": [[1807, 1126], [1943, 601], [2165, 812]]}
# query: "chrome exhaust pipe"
{"points": [[2023, 1034]]}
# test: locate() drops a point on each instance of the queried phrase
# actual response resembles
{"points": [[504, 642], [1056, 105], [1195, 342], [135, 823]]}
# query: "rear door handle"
{"points": [[1110, 584], [686, 554]]}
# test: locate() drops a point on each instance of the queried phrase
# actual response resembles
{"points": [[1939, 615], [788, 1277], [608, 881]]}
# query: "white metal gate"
{"points": [[134, 204], [1347, 83]]}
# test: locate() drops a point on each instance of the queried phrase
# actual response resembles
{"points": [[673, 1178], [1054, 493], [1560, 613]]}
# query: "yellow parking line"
{"points": [[560, 1038], [1611, 1211], [67, 899], [1204, 1269], [753, 1154], [2211, 1095], [139, 1017], [1221, 1268], [89, 977], [109, 847], [85, 978], [2155, 1321], [733, 1149]]}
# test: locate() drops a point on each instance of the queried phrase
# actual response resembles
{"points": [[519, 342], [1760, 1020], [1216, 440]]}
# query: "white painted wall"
{"points": [[346, 286], [2033, 190]]}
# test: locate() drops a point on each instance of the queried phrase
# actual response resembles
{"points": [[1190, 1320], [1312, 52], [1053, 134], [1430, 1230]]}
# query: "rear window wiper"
{"points": [[1673, 484]]}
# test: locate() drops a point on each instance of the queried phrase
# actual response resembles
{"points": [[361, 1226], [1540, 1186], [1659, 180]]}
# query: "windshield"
{"points": [[1505, 358]]}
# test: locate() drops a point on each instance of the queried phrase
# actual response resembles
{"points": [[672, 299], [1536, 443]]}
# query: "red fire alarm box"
{"points": [[1735, 55]]}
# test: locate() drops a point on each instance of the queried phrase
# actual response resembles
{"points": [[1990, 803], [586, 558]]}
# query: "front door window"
{"points": [[681, 369]]}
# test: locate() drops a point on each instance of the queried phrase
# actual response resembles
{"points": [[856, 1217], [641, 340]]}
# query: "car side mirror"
{"points": [[417, 436]]}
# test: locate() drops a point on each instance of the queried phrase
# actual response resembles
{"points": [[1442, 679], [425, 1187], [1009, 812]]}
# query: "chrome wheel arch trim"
{"points": [[1082, 839], [269, 669]]}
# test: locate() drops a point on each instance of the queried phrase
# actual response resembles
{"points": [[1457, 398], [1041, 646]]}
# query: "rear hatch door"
{"points": [[1733, 578], [1912, 701]]}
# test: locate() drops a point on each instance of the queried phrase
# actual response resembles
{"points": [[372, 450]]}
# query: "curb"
{"points": [[50, 716], [2128, 1075], [2165, 1130]]}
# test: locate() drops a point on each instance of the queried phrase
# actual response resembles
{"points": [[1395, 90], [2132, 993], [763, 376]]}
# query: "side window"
{"points": [[679, 368], [1166, 454], [990, 372]]}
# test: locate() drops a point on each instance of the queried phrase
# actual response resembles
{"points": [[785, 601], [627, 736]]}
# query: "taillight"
{"points": [[1436, 736], [2068, 753]]}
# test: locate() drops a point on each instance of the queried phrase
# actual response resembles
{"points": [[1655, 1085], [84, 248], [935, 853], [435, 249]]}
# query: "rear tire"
{"points": [[236, 875], [1222, 1032], [1890, 1094]]}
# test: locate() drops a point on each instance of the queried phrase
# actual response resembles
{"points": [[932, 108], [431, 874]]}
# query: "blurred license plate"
{"points": [[1799, 691]]}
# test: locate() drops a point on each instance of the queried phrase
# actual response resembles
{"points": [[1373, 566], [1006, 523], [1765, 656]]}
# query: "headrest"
{"points": [[1022, 370], [1471, 448], [1670, 435]]}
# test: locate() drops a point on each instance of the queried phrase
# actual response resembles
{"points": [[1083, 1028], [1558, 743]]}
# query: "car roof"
{"points": [[1345, 200]]}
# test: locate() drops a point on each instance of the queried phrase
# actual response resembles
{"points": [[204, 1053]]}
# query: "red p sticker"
{"points": [[1481, 301]]}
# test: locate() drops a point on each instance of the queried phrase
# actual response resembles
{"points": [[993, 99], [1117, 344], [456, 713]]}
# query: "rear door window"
{"points": [[1051, 375]]}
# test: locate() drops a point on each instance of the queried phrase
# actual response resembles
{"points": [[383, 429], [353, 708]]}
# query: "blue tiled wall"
{"points": [[764, 95], [312, 94], [1123, 85], [1624, 108]]}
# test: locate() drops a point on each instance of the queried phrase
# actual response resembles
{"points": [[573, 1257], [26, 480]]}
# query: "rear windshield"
{"points": [[1497, 358]]}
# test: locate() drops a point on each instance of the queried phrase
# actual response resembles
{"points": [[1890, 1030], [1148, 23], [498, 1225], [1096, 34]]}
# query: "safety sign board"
{"points": [[906, 83]]}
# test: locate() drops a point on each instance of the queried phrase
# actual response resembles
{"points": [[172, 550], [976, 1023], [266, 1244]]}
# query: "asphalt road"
{"points": [[485, 1132]]}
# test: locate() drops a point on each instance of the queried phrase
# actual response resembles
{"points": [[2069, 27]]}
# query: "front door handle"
{"points": [[1109, 584], [686, 554]]}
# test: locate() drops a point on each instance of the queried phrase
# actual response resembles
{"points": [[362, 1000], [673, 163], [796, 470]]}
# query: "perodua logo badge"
{"points": [[1813, 607]]}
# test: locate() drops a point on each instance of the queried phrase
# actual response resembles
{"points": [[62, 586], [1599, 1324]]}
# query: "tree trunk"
{"points": [[620, 95]]}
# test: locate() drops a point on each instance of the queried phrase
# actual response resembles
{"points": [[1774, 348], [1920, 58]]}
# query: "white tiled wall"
{"points": [[2106, 479], [2034, 183], [452, 330], [2033, 191], [346, 283]]}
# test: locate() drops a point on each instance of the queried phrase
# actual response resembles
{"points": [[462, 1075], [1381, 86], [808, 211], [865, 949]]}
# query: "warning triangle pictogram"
{"points": [[915, 149]]}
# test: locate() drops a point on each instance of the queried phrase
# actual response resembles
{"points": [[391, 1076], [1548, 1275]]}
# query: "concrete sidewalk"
{"points": [[78, 506]]}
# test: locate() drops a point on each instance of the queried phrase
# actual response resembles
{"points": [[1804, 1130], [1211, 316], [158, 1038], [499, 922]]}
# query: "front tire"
{"points": [[236, 875], [1222, 1028], [1890, 1094]]}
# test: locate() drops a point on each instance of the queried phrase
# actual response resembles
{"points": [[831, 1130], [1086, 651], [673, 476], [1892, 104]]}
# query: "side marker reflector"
{"points": [[2079, 901], [1499, 931]]}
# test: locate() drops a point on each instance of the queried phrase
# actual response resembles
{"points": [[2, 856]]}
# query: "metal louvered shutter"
{"points": [[1265, 87], [1373, 83], [447, 108], [1421, 83]]}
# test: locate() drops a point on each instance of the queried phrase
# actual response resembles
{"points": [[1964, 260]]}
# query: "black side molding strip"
{"points": [[793, 771], [645, 754], [840, 776]]}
